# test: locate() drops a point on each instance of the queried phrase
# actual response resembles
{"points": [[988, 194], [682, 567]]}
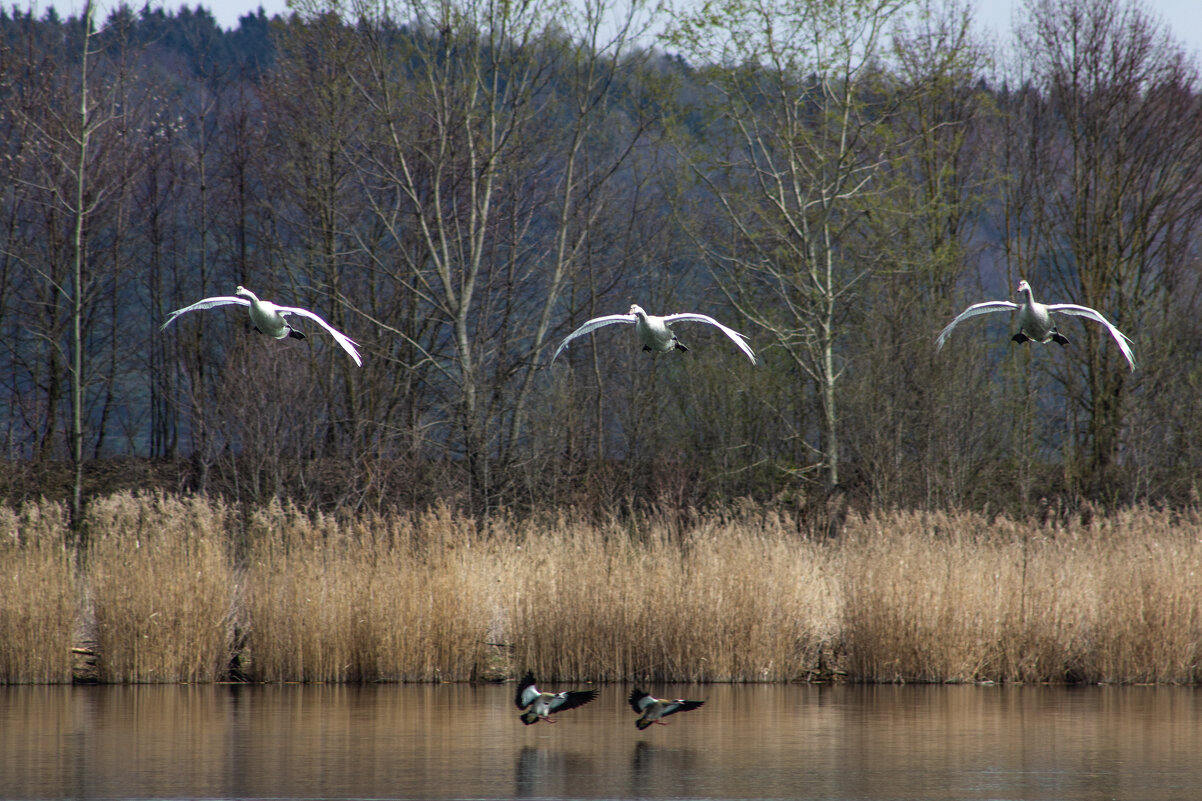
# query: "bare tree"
{"points": [[29, 306], [77, 170], [496, 131], [1114, 162], [908, 405], [802, 101]]}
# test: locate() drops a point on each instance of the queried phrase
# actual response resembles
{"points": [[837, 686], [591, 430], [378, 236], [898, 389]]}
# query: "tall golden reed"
{"points": [[162, 587], [719, 602], [376, 599], [741, 596], [39, 593], [957, 597]]}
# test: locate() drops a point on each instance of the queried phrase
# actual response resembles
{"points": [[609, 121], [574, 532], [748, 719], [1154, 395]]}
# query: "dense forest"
{"points": [[459, 185]]}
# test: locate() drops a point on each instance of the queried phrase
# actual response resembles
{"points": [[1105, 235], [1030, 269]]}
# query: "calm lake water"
{"points": [[456, 741]]}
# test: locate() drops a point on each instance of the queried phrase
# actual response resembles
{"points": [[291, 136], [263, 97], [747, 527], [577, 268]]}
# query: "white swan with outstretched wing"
{"points": [[270, 319], [1036, 321], [655, 332]]}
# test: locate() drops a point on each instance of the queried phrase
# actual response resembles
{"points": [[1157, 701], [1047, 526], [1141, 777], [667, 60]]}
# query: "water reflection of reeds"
{"points": [[464, 741]]}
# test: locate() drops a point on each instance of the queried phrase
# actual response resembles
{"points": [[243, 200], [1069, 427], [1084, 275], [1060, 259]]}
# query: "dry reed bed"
{"points": [[38, 591], [937, 597], [178, 588], [398, 598], [161, 586]]}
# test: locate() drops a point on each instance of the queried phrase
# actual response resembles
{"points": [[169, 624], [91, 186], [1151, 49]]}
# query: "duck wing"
{"points": [[736, 337], [680, 705], [972, 311], [527, 692], [593, 325], [639, 700], [1072, 309], [570, 699]]}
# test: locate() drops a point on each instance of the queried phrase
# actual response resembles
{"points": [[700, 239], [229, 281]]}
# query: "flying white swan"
{"points": [[270, 319], [654, 332], [539, 705], [1035, 321], [655, 709]]}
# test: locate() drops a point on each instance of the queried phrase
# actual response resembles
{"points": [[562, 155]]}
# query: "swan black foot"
{"points": [[292, 332]]}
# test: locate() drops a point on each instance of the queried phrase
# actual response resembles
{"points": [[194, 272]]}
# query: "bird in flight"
{"points": [[270, 319], [653, 709], [538, 705], [655, 332], [1036, 321]]}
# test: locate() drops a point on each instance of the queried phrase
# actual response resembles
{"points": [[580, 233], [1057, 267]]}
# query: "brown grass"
{"points": [[38, 595], [391, 599], [162, 587], [936, 597], [719, 602], [900, 596]]}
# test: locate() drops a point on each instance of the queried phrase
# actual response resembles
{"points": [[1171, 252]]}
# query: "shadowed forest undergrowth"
{"points": [[183, 588]]}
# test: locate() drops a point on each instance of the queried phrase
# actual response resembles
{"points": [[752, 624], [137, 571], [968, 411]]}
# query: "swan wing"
{"points": [[972, 311], [207, 303], [593, 325], [1072, 309], [736, 337], [348, 344]]}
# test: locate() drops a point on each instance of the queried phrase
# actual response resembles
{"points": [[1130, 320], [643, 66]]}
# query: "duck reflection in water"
{"points": [[553, 773], [664, 771]]}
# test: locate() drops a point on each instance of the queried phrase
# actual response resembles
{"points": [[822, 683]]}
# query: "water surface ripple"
{"points": [[458, 741]]}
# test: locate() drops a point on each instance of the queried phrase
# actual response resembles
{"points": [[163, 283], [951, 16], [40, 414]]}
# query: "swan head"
{"points": [[637, 310], [243, 292], [1024, 288]]}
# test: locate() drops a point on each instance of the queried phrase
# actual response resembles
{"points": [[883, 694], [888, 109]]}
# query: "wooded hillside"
{"points": [[458, 186]]}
